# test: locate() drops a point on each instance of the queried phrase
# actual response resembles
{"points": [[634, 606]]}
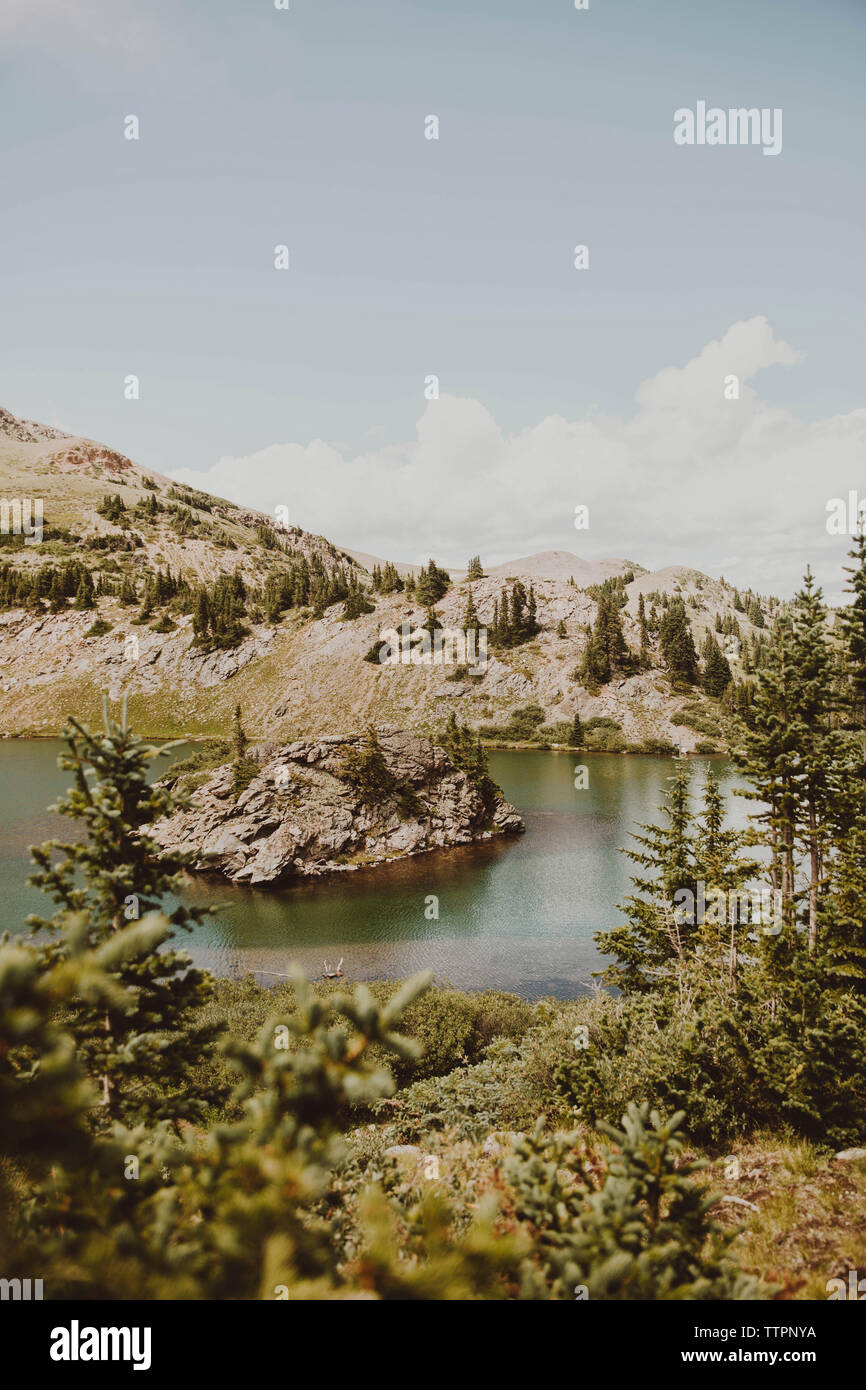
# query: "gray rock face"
{"points": [[302, 815]]}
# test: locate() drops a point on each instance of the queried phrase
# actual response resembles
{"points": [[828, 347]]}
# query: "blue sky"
{"points": [[412, 257]]}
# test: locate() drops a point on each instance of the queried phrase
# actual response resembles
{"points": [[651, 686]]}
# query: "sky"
{"points": [[454, 258]]}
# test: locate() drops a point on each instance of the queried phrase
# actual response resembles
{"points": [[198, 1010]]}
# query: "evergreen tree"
{"points": [[356, 603], [57, 593], [655, 934], [128, 595], [239, 738], [471, 620], [514, 617], [367, 767], [644, 630], [606, 654], [390, 581], [677, 643], [717, 672], [84, 595], [432, 584], [853, 623], [719, 867], [141, 1049], [755, 615]]}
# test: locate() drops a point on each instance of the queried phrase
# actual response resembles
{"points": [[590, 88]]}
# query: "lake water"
{"points": [[515, 914]]}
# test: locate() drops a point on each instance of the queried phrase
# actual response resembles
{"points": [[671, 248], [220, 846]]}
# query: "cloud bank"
{"points": [[730, 486]]}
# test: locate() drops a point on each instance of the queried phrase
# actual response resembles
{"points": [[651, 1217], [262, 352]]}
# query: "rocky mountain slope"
{"points": [[306, 674], [303, 812]]}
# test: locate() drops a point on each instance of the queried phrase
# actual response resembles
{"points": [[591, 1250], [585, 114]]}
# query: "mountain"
{"points": [[561, 565], [304, 675]]}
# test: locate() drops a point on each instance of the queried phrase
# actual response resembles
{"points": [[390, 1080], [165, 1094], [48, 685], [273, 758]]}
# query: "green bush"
{"points": [[606, 741], [643, 1232], [657, 745], [243, 772], [738, 1068], [523, 726], [698, 720]]}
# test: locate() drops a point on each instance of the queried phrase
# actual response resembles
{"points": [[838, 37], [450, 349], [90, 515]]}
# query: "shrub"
{"points": [[640, 1230], [657, 745], [454, 1028], [243, 772]]}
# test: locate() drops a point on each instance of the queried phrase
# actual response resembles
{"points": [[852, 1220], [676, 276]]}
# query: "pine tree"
{"points": [[514, 617], [644, 630], [768, 756], [57, 594], [718, 865], [141, 1052], [432, 585], [239, 738], [755, 614], [606, 654], [356, 603], [654, 934], [128, 595], [471, 620], [717, 672], [853, 623], [677, 644], [84, 596], [818, 748]]}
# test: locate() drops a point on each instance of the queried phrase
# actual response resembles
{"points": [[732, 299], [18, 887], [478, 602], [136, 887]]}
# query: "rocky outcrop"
{"points": [[303, 814], [27, 431], [92, 456]]}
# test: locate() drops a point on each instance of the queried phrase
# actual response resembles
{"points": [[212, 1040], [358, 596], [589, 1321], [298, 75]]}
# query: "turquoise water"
{"points": [[515, 914]]}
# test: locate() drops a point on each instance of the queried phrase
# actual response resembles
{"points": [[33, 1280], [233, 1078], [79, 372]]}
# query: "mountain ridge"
{"points": [[309, 673]]}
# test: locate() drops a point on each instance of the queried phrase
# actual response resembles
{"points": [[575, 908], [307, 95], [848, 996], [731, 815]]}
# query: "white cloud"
{"points": [[738, 487]]}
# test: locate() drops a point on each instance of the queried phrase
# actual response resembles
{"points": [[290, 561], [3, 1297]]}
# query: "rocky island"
{"points": [[331, 804]]}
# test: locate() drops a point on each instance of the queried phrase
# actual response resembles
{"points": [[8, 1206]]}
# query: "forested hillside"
{"points": [[190, 605]]}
